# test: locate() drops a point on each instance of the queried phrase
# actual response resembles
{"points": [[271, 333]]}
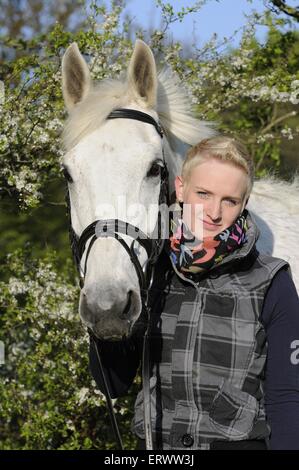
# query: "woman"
{"points": [[224, 321]]}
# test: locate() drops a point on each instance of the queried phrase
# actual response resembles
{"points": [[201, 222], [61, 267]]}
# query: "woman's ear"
{"points": [[179, 188]]}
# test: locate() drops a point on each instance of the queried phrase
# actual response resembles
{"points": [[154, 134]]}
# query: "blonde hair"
{"points": [[224, 148]]}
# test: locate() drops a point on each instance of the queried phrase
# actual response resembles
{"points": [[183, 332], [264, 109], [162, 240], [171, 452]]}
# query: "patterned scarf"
{"points": [[191, 255]]}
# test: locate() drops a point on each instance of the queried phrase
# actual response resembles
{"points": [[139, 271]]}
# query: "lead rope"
{"points": [[107, 396], [145, 384], [146, 393]]}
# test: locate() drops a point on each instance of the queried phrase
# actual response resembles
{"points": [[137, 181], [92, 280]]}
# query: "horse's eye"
{"points": [[154, 171], [67, 175]]}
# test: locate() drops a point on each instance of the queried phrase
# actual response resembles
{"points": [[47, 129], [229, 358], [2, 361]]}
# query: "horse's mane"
{"points": [[173, 109]]}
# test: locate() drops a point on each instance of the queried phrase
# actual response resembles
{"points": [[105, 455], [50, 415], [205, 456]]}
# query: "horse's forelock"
{"points": [[88, 115]]}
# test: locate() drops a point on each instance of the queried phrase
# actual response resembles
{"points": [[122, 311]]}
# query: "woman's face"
{"points": [[213, 196]]}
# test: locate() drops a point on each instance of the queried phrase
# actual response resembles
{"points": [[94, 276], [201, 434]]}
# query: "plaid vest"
{"points": [[208, 352]]}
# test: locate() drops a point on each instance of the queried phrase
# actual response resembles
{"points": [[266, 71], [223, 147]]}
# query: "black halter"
{"points": [[114, 227], [153, 247]]}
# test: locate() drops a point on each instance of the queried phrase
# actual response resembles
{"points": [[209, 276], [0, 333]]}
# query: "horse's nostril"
{"points": [[128, 305]]}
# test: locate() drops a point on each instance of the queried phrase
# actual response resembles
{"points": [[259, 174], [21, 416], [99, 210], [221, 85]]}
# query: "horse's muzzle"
{"points": [[110, 321]]}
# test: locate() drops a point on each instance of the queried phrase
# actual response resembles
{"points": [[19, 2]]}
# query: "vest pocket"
{"points": [[233, 412]]}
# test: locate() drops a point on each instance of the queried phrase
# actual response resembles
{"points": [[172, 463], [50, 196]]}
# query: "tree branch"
{"points": [[277, 120], [287, 9]]}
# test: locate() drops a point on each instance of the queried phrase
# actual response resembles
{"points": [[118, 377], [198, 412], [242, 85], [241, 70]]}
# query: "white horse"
{"points": [[112, 169]]}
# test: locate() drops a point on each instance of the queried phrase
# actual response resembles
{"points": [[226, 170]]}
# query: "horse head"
{"points": [[114, 169]]}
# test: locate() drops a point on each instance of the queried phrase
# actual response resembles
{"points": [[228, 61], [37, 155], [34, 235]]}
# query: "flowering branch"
{"points": [[277, 120]]}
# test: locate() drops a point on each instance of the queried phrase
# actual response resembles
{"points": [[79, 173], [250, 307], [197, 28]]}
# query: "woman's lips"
{"points": [[210, 226]]}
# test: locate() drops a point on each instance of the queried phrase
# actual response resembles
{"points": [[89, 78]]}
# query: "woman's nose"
{"points": [[213, 210]]}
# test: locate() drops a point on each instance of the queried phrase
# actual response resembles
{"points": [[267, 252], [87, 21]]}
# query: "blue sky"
{"points": [[223, 17]]}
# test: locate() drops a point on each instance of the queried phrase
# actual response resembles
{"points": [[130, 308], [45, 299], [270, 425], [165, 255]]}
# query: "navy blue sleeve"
{"points": [[280, 317]]}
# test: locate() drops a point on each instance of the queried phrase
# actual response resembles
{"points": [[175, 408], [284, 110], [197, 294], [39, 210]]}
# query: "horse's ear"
{"points": [[75, 76], [142, 74]]}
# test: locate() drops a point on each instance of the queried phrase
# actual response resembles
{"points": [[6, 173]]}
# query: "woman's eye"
{"points": [[231, 202], [154, 171], [67, 175], [202, 194]]}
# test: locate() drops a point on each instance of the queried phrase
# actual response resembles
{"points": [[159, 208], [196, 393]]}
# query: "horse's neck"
{"points": [[275, 208]]}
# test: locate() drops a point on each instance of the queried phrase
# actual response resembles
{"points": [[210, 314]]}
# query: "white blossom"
{"points": [[82, 395], [16, 286], [287, 133]]}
